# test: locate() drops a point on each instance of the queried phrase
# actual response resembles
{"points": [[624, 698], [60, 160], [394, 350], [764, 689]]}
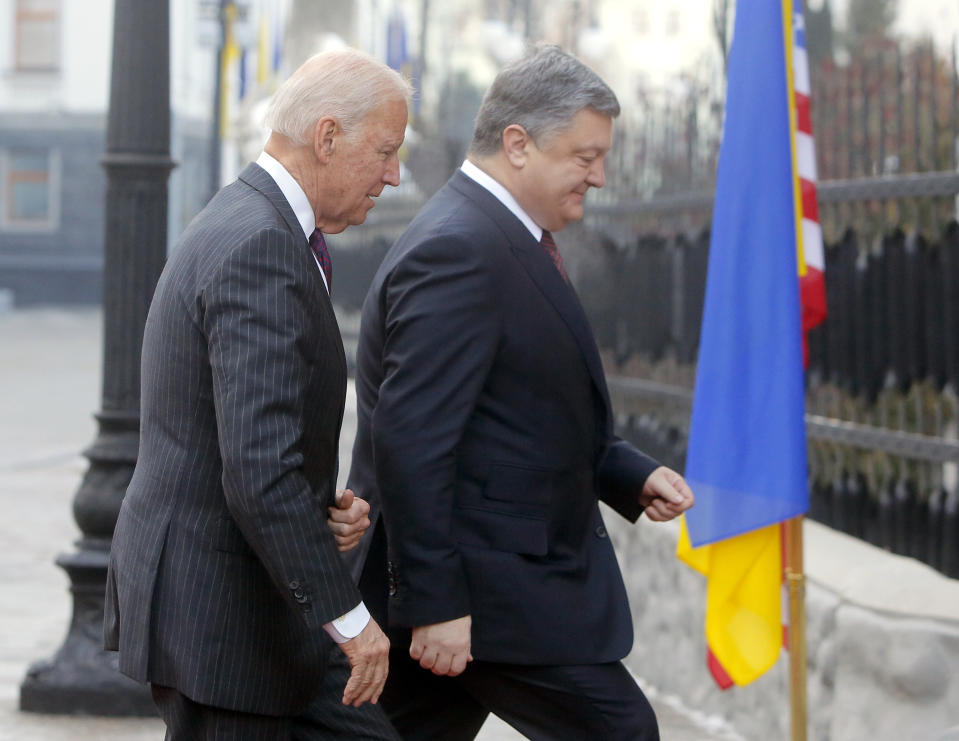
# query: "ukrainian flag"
{"points": [[746, 460]]}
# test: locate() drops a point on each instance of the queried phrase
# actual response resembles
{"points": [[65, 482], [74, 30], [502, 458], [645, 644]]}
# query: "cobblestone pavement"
{"points": [[50, 380]]}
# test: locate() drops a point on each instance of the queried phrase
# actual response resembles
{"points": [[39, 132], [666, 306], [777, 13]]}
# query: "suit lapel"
{"points": [[259, 179], [542, 271], [547, 278]]}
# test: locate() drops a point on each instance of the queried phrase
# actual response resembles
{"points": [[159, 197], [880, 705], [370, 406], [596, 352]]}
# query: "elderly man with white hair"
{"points": [[226, 590]]}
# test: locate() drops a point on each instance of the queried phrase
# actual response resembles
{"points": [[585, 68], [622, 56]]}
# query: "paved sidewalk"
{"points": [[50, 364]]}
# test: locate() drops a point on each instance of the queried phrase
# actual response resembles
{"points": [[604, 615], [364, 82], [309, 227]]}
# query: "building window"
{"points": [[37, 42], [30, 189]]}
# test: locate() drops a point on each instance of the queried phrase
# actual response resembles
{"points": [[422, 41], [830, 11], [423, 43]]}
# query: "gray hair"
{"points": [[345, 83], [541, 92]]}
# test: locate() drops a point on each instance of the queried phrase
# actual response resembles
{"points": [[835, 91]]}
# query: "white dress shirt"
{"points": [[352, 623], [503, 196]]}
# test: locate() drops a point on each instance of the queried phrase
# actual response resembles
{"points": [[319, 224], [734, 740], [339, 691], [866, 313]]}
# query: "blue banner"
{"points": [[746, 460]]}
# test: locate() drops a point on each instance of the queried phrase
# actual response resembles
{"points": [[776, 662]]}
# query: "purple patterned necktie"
{"points": [[550, 246], [318, 245]]}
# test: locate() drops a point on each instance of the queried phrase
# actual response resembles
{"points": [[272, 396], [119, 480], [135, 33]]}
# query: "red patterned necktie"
{"points": [[550, 246], [318, 244]]}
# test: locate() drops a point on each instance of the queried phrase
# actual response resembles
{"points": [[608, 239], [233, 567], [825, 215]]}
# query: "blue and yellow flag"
{"points": [[746, 460]]}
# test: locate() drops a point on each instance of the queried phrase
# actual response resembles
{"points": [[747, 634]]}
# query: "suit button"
{"points": [[600, 532], [301, 598], [298, 593], [294, 584]]}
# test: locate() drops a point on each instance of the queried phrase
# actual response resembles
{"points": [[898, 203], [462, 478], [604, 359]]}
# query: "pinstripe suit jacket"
{"points": [[223, 571]]}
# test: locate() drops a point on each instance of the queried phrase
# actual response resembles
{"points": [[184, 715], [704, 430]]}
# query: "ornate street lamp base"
{"points": [[82, 678]]}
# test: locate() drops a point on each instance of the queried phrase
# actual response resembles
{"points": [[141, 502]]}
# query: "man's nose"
{"points": [[596, 176], [392, 174]]}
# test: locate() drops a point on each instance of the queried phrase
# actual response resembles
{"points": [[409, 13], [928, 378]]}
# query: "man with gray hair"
{"points": [[485, 441], [226, 589]]}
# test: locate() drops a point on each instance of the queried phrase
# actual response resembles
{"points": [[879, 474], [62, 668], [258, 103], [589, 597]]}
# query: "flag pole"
{"points": [[796, 586]]}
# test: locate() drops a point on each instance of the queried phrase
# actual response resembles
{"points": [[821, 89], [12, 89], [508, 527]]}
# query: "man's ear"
{"points": [[324, 132], [516, 144]]}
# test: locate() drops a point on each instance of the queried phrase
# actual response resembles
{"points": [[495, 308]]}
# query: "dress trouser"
{"points": [[325, 719], [544, 703]]}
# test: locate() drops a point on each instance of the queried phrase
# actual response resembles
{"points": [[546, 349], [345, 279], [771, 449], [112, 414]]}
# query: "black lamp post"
{"points": [[82, 677]]}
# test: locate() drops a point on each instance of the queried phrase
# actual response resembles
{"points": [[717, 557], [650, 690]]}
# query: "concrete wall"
{"points": [[882, 640]]}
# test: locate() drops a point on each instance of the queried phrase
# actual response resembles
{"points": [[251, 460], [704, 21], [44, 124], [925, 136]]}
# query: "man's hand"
{"points": [[665, 495], [443, 648], [369, 660], [349, 519]]}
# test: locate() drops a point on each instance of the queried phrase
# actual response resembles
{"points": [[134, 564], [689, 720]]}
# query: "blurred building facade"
{"points": [[54, 88], [664, 59], [650, 51], [626, 41], [55, 60]]}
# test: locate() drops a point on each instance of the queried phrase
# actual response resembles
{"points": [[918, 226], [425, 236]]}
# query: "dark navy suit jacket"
{"points": [[485, 440], [223, 570]]}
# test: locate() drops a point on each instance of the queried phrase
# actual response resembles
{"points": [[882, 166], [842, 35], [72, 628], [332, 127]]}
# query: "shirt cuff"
{"points": [[350, 625]]}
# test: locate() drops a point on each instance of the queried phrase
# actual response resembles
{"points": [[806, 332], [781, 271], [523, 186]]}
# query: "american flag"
{"points": [[812, 283]]}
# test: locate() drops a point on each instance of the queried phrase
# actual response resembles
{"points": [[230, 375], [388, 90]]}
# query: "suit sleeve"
{"points": [[622, 473], [256, 322], [441, 329]]}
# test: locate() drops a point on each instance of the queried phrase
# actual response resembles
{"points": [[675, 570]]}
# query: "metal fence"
{"points": [[882, 408], [882, 384], [894, 109], [886, 126]]}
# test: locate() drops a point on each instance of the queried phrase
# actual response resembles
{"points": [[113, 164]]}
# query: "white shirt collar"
{"points": [[294, 195], [502, 195]]}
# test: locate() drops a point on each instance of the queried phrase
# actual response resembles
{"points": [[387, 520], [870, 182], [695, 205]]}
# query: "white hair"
{"points": [[344, 83]]}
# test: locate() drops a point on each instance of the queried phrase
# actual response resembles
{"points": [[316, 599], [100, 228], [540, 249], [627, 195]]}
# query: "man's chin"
{"points": [[360, 216], [358, 219], [568, 217]]}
